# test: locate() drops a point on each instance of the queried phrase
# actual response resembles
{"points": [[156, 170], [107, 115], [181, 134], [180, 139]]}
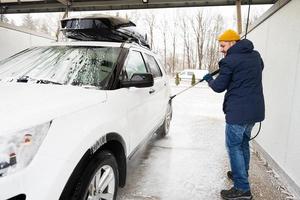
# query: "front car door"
{"points": [[137, 100]]}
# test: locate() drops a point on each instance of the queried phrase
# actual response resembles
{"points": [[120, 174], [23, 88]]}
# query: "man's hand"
{"points": [[208, 78]]}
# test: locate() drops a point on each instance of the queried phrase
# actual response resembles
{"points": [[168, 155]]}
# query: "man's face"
{"points": [[225, 45]]}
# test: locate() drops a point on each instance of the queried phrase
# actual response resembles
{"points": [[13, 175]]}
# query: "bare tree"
{"points": [[193, 59], [174, 45], [188, 48], [254, 15], [186, 42], [183, 27], [44, 28], [200, 29], [28, 22], [134, 16], [150, 21], [12, 22], [164, 29], [3, 18], [53, 23], [213, 54]]}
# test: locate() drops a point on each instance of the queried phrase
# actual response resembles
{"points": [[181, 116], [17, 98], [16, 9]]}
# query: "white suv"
{"points": [[72, 115]]}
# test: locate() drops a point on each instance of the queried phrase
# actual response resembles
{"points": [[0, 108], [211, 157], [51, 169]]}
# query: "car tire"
{"points": [[165, 127], [101, 169]]}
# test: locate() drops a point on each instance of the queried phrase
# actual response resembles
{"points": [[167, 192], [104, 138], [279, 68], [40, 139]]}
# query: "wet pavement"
{"points": [[191, 162]]}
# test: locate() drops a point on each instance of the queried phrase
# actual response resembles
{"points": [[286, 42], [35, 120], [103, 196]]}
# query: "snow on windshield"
{"points": [[66, 65]]}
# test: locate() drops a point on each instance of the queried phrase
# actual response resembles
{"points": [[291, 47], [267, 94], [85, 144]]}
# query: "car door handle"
{"points": [[151, 91]]}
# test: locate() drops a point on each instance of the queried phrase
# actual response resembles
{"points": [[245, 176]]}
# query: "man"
{"points": [[241, 76]]}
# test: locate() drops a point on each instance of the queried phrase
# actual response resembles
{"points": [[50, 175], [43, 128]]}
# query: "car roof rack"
{"points": [[135, 41], [102, 28]]}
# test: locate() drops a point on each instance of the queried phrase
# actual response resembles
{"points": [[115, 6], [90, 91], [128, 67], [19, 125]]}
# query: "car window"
{"points": [[75, 65], [190, 73], [133, 64], [97, 69], [154, 68]]}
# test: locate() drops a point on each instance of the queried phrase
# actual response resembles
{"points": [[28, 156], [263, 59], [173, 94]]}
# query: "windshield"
{"points": [[81, 66]]}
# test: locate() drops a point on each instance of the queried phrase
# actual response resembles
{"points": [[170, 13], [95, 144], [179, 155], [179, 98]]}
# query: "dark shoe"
{"points": [[229, 175], [235, 194]]}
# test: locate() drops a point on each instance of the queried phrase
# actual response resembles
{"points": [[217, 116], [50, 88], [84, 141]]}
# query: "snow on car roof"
{"points": [[85, 43], [95, 44]]}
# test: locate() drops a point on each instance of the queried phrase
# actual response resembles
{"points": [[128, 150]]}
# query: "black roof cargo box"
{"points": [[102, 28]]}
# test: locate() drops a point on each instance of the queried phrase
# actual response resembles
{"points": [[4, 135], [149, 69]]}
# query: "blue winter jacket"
{"points": [[241, 75]]}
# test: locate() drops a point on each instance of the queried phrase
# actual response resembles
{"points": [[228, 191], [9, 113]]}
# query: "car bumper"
{"points": [[44, 180]]}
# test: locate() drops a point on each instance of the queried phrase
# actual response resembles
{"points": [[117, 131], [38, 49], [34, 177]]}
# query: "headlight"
{"points": [[18, 149]]}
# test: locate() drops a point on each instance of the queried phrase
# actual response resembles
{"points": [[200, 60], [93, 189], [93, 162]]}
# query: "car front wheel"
{"points": [[99, 180]]}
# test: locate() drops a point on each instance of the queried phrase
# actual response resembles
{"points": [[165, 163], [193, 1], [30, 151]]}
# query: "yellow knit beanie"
{"points": [[229, 35]]}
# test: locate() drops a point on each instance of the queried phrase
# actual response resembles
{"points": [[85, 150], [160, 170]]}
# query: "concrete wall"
{"points": [[14, 39], [278, 40]]}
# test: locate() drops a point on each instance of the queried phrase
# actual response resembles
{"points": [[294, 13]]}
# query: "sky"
{"points": [[171, 14], [228, 12], [138, 16]]}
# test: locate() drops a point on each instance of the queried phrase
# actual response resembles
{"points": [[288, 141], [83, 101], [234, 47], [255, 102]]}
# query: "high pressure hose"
{"points": [[257, 132], [247, 24], [212, 74], [246, 32]]}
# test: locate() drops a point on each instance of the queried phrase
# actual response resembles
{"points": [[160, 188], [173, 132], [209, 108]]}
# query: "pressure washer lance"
{"points": [[212, 74]]}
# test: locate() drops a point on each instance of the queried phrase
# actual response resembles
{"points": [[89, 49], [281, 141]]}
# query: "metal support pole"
{"points": [[58, 28], [239, 16], [1, 13], [66, 14]]}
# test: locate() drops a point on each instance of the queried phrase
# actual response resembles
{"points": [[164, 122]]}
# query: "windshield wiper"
{"points": [[45, 81], [91, 87], [26, 79]]}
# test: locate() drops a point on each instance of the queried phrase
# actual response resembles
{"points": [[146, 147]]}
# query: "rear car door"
{"points": [[160, 94]]}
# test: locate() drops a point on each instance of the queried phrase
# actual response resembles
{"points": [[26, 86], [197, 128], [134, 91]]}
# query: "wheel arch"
{"points": [[112, 142], [117, 146]]}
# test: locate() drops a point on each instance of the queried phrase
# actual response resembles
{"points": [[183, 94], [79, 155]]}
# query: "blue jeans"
{"points": [[237, 143]]}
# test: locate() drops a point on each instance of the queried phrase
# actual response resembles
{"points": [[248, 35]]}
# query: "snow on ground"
{"points": [[191, 162]]}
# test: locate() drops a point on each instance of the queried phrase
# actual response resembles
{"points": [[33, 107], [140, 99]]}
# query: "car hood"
{"points": [[23, 105]]}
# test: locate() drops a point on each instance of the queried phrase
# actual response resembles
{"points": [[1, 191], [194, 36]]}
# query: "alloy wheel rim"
{"points": [[102, 185]]}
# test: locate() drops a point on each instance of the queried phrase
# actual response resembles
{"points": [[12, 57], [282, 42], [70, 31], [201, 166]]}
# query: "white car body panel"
{"points": [[138, 110], [160, 96], [38, 103], [80, 117], [81, 135]]}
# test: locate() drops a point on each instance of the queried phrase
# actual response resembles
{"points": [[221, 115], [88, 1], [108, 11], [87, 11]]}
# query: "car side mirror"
{"points": [[139, 80]]}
